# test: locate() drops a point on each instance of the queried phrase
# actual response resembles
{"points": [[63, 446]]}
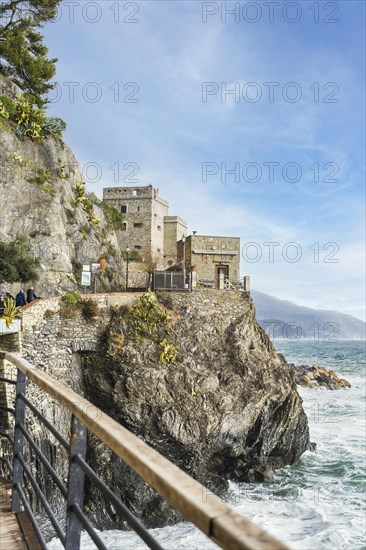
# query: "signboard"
{"points": [[95, 268], [85, 278], [86, 267]]}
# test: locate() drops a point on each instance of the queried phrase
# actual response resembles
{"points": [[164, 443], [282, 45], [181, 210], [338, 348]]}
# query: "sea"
{"points": [[318, 503]]}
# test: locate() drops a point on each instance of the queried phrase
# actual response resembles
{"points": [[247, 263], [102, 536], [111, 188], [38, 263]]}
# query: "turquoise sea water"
{"points": [[319, 503]]}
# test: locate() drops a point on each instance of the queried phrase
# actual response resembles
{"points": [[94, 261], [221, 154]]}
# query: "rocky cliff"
{"points": [[227, 408], [38, 190], [223, 405]]}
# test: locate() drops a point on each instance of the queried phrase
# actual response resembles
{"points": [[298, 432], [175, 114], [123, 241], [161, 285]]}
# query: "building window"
{"points": [[134, 192], [138, 225], [138, 209], [124, 226], [159, 227], [124, 209], [138, 247]]}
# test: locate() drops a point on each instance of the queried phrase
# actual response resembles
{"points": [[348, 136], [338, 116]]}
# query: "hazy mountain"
{"points": [[284, 319]]}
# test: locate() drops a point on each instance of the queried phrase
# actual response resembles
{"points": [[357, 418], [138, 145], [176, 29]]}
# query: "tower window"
{"points": [[138, 225], [138, 247], [124, 226], [159, 227], [124, 209]]}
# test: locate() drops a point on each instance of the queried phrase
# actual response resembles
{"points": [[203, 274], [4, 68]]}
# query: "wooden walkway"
{"points": [[14, 526]]}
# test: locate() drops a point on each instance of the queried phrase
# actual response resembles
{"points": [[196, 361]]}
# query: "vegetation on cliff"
{"points": [[17, 264], [146, 321], [73, 305], [28, 121]]}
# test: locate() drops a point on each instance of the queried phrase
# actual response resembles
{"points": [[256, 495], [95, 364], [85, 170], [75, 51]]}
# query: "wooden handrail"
{"points": [[217, 520]]}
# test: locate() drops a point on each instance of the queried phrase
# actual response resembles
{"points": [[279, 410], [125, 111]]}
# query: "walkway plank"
{"points": [[11, 536]]}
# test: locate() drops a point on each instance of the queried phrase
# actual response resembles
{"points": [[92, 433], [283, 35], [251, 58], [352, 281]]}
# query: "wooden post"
{"points": [[18, 440], [75, 484]]}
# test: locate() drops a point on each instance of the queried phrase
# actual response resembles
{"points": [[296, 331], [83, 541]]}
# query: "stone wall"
{"points": [[36, 312]]}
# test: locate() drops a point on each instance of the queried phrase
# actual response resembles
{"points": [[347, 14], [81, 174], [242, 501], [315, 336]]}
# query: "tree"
{"points": [[16, 262], [23, 54]]}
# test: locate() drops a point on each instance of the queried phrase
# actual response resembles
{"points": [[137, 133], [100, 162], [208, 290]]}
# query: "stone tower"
{"points": [[144, 212]]}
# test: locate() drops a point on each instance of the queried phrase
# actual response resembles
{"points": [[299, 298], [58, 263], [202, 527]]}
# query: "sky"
{"points": [[248, 116]]}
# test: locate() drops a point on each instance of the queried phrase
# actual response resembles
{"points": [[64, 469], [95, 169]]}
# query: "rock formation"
{"points": [[226, 409], [316, 376]]}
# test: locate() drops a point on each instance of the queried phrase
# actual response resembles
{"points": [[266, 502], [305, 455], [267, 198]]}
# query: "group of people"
{"points": [[20, 299]]}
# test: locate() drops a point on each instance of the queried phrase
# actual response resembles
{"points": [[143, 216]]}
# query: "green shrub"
{"points": [[77, 265], [3, 112], [7, 107], [71, 298], [114, 218], [30, 122], [82, 200], [148, 320], [54, 127], [11, 311], [168, 352], [17, 263]]}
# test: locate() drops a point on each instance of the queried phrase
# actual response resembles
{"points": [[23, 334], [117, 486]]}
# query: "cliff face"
{"points": [[227, 409], [37, 189]]}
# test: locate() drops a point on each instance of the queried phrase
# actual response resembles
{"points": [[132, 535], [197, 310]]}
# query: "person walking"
{"points": [[2, 305], [31, 295], [20, 300]]}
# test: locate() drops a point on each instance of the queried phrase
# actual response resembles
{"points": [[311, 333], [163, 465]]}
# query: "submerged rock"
{"points": [[315, 376], [226, 408]]}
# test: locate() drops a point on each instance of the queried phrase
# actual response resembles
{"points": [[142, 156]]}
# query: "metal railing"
{"points": [[169, 281], [216, 519]]}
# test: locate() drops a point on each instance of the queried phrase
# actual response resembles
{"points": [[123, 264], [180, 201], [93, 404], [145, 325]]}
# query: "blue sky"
{"points": [[149, 81]]}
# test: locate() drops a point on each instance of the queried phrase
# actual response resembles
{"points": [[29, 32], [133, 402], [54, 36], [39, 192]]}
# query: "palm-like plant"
{"points": [[11, 311]]}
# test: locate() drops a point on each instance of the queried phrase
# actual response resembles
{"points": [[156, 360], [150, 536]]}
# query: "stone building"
{"points": [[174, 229], [148, 228], [157, 236], [214, 259]]}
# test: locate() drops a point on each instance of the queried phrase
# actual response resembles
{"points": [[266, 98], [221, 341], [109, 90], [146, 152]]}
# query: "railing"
{"points": [[212, 516], [170, 281], [241, 284]]}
